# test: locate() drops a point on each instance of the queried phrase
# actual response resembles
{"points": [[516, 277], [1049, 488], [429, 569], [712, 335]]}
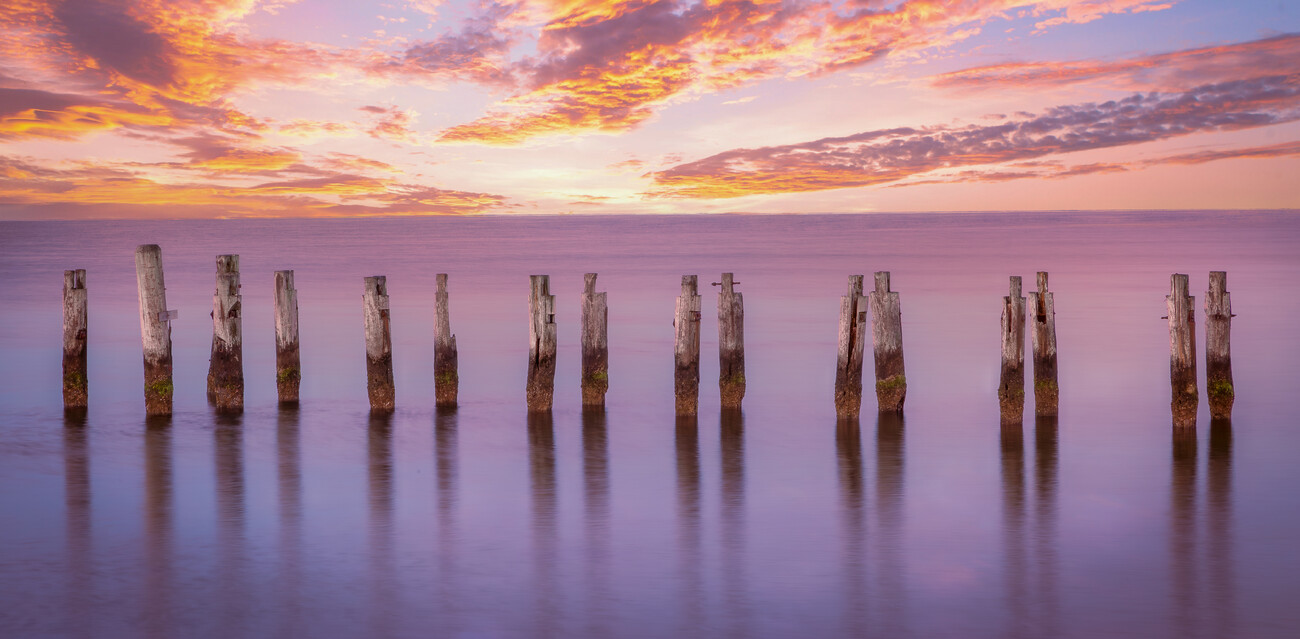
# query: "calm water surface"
{"points": [[321, 521]]}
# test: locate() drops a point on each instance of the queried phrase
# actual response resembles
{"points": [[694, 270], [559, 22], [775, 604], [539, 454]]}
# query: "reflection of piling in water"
{"points": [[1182, 352], [887, 342], [1218, 353], [157, 527], [379, 471], [890, 456], [595, 500], [1011, 388], [1013, 528], [541, 470], [735, 603], [731, 343], [226, 368], [228, 435], [848, 458], [541, 344], [289, 486], [688, 523], [1182, 533], [595, 344], [75, 325], [446, 362], [379, 345], [686, 349], [447, 471], [852, 337], [1223, 581], [1043, 318], [76, 482], [1045, 484]]}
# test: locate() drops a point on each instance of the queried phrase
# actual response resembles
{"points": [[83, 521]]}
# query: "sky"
{"points": [[318, 108]]}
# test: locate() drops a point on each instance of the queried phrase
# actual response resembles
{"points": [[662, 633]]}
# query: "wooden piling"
{"points": [[155, 330], [288, 365], [541, 344], [595, 344], [686, 349], [731, 343], [848, 367], [887, 340], [75, 323], [226, 367], [446, 366], [1046, 391], [379, 345], [1218, 355], [1011, 389], [1182, 352]]}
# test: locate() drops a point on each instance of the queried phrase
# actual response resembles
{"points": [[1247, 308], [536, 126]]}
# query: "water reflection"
{"points": [[1223, 580], [848, 458], [1045, 486], [379, 473], [595, 499], [445, 424], [1013, 528], [76, 479], [1182, 532], [889, 523], [289, 481], [733, 522], [541, 469], [688, 524], [228, 435], [157, 526]]}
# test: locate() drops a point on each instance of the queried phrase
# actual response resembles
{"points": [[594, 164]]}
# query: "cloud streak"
{"points": [[892, 155]]}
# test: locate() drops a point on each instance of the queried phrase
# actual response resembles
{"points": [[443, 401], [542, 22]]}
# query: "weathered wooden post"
{"points": [[1011, 390], [731, 343], [848, 366], [1218, 355], [1046, 391], [379, 345], [887, 339], [226, 368], [288, 364], [155, 330], [541, 344], [446, 367], [595, 344], [1182, 352], [686, 348], [75, 323]]}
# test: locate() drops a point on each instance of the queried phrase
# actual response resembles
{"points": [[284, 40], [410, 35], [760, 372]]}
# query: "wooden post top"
{"points": [[589, 283], [855, 284], [1218, 281], [1042, 282], [690, 284], [1178, 284], [728, 282], [1015, 287], [442, 282], [882, 282], [74, 279], [378, 284], [227, 263]]}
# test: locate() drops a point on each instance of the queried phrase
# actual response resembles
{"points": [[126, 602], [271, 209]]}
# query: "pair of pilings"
{"points": [[1182, 349], [1011, 387], [887, 342], [540, 389], [379, 347], [226, 368], [731, 345]]}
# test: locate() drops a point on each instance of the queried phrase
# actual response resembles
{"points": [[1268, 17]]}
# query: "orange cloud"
{"points": [[1166, 71], [893, 155]]}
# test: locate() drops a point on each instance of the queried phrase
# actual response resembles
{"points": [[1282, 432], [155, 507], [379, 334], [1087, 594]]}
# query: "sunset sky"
{"points": [[234, 108]]}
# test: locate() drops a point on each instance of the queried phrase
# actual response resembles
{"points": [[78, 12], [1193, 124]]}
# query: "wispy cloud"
{"points": [[885, 156]]}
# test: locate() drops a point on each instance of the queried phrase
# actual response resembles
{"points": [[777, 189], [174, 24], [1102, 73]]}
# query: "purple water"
{"points": [[322, 522]]}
